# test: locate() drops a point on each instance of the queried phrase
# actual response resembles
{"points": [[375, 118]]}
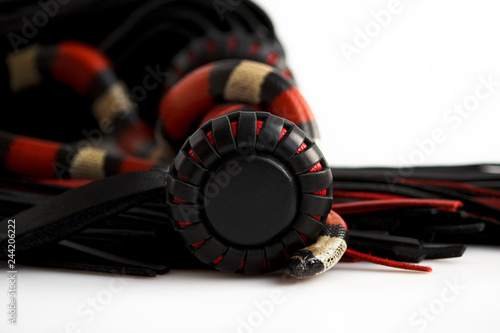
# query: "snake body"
{"points": [[232, 81], [89, 73], [214, 89], [209, 66]]}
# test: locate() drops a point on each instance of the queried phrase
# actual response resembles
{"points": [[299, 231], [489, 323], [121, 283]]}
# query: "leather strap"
{"points": [[69, 212]]}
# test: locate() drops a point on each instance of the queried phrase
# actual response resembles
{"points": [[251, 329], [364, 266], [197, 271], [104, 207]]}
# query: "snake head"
{"points": [[303, 265]]}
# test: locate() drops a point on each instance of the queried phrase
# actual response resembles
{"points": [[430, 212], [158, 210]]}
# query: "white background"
{"points": [[372, 110]]}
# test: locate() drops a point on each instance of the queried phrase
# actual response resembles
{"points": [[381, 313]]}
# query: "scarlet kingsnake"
{"points": [[215, 70], [226, 81]]}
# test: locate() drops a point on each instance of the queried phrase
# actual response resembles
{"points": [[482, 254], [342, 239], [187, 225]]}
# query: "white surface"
{"points": [[371, 111]]}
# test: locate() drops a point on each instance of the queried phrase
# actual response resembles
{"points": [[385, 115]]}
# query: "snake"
{"points": [[264, 87], [322, 255], [89, 73], [209, 78], [215, 72], [209, 89]]}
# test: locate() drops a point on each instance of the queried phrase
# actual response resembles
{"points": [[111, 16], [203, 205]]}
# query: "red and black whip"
{"points": [[174, 138]]}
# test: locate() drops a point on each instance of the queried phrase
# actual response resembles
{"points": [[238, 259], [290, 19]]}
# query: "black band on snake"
{"points": [[186, 135]]}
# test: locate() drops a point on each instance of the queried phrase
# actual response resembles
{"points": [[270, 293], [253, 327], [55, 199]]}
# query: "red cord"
{"points": [[454, 185], [378, 205], [386, 262], [364, 195]]}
